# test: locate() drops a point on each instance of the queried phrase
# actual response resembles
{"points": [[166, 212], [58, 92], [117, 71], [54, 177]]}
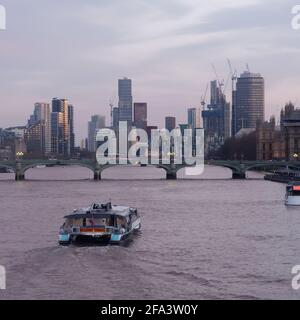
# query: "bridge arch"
{"points": [[31, 166], [8, 167], [238, 170], [102, 168], [275, 165], [25, 166]]}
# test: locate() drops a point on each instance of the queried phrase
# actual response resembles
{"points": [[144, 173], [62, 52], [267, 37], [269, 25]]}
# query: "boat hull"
{"points": [[292, 201], [113, 238], [88, 239], [64, 239]]}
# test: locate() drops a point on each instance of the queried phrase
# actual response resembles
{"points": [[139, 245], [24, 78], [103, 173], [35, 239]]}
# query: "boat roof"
{"points": [[101, 212], [293, 184]]}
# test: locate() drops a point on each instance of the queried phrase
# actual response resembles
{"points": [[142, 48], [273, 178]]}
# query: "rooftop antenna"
{"points": [[111, 105], [247, 67], [234, 78]]}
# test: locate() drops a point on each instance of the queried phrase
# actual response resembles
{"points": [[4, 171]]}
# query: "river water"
{"points": [[207, 238]]}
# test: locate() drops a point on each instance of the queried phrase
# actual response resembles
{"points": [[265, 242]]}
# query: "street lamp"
{"points": [[19, 154]]}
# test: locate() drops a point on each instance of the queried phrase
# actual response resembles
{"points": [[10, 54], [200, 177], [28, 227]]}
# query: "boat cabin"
{"points": [[100, 218], [293, 190]]}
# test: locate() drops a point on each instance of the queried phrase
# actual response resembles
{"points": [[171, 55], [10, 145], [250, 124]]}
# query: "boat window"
{"points": [[121, 222], [68, 223]]}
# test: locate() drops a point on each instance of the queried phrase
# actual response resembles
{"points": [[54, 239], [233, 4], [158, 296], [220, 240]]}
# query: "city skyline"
{"points": [[168, 57]]}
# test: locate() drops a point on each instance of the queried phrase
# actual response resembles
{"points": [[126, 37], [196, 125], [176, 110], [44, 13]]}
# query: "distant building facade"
{"points": [[97, 122], [12, 141], [140, 115], [170, 123], [290, 124], [280, 142], [194, 118]]}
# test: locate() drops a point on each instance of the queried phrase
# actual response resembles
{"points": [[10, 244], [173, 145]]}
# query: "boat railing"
{"points": [[95, 228]]}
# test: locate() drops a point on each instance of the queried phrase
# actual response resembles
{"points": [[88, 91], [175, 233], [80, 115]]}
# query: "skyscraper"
{"points": [[194, 120], [250, 100], [125, 100], [140, 115], [71, 127], [57, 133], [170, 123], [97, 122], [38, 136], [42, 113], [63, 127]]}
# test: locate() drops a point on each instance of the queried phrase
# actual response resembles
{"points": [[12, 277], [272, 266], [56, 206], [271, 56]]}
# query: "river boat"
{"points": [[99, 223]]}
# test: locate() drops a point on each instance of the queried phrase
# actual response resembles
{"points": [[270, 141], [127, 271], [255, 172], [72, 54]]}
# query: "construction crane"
{"points": [[221, 84], [232, 74], [203, 98], [233, 81]]}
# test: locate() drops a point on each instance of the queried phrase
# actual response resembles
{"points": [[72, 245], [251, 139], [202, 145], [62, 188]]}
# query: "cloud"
{"points": [[78, 49]]}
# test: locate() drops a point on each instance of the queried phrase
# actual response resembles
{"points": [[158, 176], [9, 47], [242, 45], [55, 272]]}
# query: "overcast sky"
{"points": [[77, 49]]}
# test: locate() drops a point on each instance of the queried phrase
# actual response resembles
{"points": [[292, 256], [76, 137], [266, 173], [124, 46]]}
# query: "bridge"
{"points": [[238, 168], [19, 167]]}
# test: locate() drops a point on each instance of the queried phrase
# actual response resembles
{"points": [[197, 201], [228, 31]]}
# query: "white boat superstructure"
{"points": [[101, 222], [292, 197]]}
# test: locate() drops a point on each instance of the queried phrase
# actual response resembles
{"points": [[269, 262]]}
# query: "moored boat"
{"points": [[283, 176], [99, 223], [292, 197]]}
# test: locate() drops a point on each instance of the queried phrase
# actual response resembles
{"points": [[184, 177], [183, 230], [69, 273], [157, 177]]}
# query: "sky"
{"points": [[78, 49]]}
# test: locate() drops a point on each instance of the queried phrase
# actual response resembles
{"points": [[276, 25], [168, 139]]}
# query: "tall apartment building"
{"points": [[125, 100], [140, 115], [249, 101], [62, 128], [71, 127], [57, 133], [38, 134]]}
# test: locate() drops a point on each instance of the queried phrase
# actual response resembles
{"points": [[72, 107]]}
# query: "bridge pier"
{"points": [[238, 175], [19, 177], [20, 174], [97, 175], [171, 175]]}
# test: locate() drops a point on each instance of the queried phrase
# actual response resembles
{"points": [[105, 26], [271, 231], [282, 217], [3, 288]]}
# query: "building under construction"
{"points": [[216, 119]]}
